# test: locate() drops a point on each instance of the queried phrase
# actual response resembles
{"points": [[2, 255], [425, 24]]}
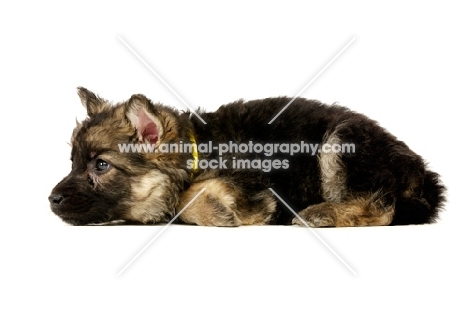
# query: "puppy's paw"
{"points": [[215, 206], [215, 213], [319, 215]]}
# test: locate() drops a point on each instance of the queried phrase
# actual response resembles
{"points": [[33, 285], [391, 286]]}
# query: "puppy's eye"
{"points": [[102, 166]]}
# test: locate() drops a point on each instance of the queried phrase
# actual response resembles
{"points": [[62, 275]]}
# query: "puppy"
{"points": [[145, 163]]}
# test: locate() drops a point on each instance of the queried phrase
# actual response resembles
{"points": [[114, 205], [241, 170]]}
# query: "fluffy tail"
{"points": [[423, 209]]}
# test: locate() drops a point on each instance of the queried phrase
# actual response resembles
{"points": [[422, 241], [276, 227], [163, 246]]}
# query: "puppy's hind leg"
{"points": [[342, 207], [360, 211]]}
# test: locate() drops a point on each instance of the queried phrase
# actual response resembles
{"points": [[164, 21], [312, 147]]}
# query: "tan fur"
{"points": [[333, 173], [147, 192], [361, 211]]}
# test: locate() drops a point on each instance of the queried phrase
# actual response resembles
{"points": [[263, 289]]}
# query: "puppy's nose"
{"points": [[55, 199]]}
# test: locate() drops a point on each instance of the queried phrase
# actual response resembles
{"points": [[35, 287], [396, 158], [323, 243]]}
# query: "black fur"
{"points": [[381, 162]]}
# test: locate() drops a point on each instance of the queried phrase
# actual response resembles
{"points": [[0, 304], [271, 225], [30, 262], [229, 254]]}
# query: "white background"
{"points": [[407, 68]]}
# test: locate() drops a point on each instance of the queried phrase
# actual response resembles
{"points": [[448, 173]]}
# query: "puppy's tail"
{"points": [[422, 209]]}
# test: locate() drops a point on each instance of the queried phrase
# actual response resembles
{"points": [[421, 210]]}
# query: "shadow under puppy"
{"points": [[382, 182]]}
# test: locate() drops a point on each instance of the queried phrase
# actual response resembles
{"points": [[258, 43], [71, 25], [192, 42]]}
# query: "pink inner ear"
{"points": [[147, 128], [151, 133]]}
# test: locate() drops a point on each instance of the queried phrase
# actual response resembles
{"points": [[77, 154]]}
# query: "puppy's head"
{"points": [[111, 181]]}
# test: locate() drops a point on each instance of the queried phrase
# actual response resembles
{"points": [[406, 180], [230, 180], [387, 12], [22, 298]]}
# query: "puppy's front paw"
{"points": [[213, 207], [319, 215], [215, 213]]}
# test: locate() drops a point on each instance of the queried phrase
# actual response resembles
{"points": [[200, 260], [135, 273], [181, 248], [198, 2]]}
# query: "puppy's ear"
{"points": [[90, 101], [140, 112]]}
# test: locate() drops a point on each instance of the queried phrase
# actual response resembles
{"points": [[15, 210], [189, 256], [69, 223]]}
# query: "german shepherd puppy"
{"points": [[130, 163]]}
